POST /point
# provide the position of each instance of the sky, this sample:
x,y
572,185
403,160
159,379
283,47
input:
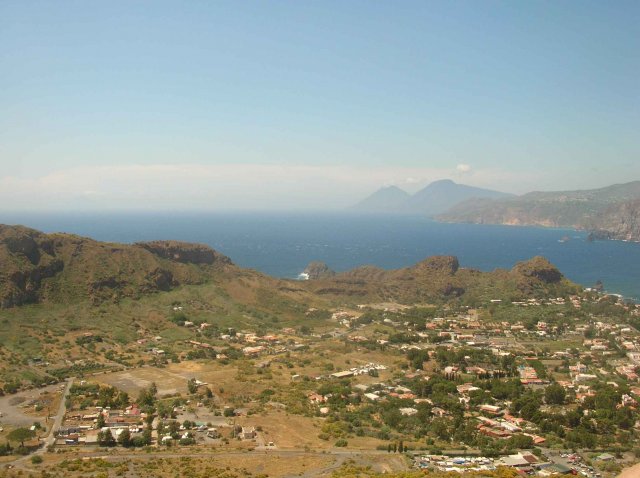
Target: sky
x,y
310,104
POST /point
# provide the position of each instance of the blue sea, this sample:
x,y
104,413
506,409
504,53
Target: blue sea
x,y
282,244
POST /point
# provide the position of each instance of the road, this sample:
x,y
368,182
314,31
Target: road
x,y
51,436
59,417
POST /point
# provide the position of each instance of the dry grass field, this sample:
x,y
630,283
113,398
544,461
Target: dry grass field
x,y
134,380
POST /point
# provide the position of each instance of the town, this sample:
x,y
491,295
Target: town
x,y
539,386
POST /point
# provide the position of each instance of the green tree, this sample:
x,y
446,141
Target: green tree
x,y
124,439
554,394
20,435
146,436
100,423
105,438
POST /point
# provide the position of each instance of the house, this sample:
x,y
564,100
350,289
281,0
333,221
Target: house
x,y
466,388
344,374
490,409
494,433
515,461
408,411
605,457
248,433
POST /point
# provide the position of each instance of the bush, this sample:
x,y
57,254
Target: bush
x,y
36,459
341,443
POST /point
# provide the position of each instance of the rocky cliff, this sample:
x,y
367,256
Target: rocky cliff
x,y
185,252
610,212
38,267
318,270
620,222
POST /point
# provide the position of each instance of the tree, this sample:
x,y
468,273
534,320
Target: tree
x,y
520,441
192,386
105,438
100,423
554,394
20,435
147,396
146,436
124,439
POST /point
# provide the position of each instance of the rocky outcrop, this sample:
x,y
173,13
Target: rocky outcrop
x,y
318,270
619,222
441,278
540,269
185,252
438,265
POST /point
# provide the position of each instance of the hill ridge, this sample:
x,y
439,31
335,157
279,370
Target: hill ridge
x,y
61,268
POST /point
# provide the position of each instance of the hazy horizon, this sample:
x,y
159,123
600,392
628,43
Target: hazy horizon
x,y
310,106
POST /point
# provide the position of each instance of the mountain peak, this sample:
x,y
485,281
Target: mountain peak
x,y
443,182
436,198
388,199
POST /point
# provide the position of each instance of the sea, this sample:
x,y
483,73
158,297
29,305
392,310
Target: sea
x,y
282,244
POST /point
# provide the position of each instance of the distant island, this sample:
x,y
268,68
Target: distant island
x,y
436,198
611,212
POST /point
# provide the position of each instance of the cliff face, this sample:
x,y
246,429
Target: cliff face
x,y
621,222
610,212
38,267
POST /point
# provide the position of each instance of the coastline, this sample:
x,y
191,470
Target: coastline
x,y
282,245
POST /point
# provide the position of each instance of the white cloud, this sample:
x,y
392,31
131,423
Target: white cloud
x,y
463,168
224,186
196,186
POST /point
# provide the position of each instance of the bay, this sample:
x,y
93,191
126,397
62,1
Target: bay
x,y
282,244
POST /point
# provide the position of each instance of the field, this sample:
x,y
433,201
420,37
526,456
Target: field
x,y
25,408
134,380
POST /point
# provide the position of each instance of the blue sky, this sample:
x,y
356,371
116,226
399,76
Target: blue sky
x,y
311,104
